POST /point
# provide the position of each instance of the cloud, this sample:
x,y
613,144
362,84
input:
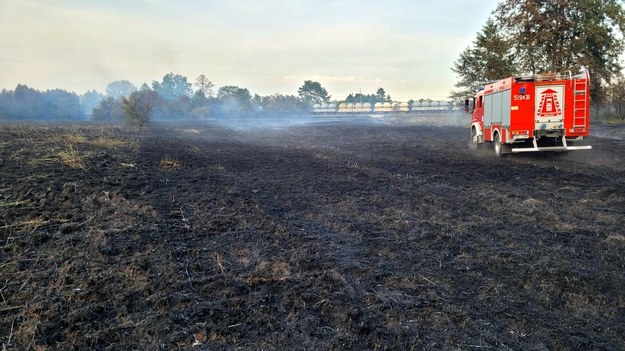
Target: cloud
x,y
331,79
267,47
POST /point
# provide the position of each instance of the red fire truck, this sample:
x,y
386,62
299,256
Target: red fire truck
x,y
538,112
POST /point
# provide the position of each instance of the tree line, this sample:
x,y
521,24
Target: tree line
x,y
174,97
171,98
534,36
30,104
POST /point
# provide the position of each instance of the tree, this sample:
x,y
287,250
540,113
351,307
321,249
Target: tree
x,y
241,95
380,95
109,110
204,85
489,58
173,86
120,88
90,100
138,107
59,104
313,93
6,104
199,99
616,95
562,35
234,100
281,104
26,102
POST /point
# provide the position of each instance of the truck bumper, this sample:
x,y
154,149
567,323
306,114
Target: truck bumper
x,y
562,148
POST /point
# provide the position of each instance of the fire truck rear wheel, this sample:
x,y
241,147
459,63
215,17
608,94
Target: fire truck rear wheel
x,y
497,144
500,148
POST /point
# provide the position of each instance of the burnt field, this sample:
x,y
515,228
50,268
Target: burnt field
x,y
321,236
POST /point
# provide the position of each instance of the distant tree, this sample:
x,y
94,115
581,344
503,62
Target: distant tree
x,y
145,87
26,102
120,89
380,95
281,104
234,100
490,57
199,99
109,110
241,95
6,102
257,99
204,85
561,35
90,100
182,105
138,107
359,98
29,103
60,104
616,96
173,86
312,92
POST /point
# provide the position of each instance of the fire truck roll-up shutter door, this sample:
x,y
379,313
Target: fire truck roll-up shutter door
x,y
488,110
505,108
497,107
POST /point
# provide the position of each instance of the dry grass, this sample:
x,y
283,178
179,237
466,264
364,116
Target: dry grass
x,y
71,139
616,238
265,271
79,139
6,202
36,161
63,148
71,158
28,225
112,142
170,163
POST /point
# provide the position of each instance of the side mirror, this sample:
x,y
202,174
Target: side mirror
x,y
466,106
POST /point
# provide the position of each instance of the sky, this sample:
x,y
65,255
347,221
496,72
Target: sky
x,y
404,46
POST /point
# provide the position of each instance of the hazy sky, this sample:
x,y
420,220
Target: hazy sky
x,y
271,46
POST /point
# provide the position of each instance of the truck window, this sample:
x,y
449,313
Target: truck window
x,y
479,103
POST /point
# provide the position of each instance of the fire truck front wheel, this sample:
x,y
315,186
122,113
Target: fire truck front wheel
x,y
474,138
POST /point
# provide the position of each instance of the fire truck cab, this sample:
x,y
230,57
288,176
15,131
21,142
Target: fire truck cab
x,y
538,112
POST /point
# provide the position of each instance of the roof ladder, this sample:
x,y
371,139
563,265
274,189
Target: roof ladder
x,y
580,103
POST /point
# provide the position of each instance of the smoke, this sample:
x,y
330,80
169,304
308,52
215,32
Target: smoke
x,y
450,119
608,131
265,122
260,121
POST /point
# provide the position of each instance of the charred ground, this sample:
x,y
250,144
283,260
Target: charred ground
x,y
325,236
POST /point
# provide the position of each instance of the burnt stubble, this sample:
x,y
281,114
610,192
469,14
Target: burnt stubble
x,y
321,236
